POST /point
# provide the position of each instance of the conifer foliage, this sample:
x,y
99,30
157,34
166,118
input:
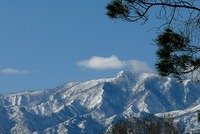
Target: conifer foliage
x,y
147,125
178,52
176,56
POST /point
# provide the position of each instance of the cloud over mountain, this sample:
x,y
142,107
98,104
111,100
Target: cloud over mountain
x,y
102,63
138,66
113,62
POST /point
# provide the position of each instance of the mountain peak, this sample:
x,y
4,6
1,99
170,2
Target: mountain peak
x,y
125,73
73,107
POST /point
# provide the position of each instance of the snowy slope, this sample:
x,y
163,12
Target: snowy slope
x,y
90,107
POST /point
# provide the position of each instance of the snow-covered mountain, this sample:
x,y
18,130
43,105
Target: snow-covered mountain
x,y
90,107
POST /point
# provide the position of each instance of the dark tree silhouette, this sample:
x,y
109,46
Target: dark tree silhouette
x,y
148,125
178,45
176,56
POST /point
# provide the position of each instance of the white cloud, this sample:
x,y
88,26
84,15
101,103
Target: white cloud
x,y
15,71
138,66
102,63
113,62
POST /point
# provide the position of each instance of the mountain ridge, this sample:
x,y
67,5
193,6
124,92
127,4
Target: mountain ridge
x,y
91,106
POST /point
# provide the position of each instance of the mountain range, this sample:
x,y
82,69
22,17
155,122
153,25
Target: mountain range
x,y
91,107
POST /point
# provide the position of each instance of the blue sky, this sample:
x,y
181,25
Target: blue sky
x,y
46,43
